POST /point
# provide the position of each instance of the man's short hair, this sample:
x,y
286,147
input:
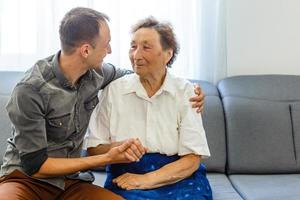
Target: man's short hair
x,y
80,25
165,31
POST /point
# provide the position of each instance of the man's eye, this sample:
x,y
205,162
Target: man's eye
x,y
132,47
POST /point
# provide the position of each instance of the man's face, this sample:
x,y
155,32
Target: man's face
x,y
102,46
146,53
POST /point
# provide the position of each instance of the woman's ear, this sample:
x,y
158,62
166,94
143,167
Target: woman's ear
x,y
169,54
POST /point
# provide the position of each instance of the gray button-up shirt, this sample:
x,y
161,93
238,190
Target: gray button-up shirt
x,y
50,116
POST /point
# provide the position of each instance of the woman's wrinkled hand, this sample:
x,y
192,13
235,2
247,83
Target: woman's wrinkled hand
x,y
129,181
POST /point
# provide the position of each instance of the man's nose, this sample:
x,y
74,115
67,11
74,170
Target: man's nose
x,y
109,49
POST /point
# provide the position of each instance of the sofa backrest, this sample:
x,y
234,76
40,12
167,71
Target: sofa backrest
x,y
262,115
214,125
8,81
213,120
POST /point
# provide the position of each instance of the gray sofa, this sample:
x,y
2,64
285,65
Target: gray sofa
x,y
253,129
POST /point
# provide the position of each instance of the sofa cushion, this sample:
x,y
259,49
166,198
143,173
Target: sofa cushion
x,y
222,188
214,125
295,110
8,81
100,178
267,187
5,125
259,136
268,87
220,184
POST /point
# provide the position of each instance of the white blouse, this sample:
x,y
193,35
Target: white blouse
x,y
166,123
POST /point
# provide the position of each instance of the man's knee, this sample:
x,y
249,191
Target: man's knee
x,y
90,191
15,190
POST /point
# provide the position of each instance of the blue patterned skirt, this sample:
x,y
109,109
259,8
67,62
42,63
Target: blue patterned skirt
x,y
195,187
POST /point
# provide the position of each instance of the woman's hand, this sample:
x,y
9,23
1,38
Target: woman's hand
x,y
166,175
198,101
130,181
127,151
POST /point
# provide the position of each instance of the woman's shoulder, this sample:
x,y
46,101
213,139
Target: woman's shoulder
x,y
182,85
120,84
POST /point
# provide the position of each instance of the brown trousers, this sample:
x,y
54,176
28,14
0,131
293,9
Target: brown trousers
x,y
17,186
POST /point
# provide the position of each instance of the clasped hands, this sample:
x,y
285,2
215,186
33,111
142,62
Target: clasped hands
x,y
127,151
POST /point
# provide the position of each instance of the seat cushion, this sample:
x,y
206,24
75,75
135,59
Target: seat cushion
x,y
222,188
220,184
100,178
267,187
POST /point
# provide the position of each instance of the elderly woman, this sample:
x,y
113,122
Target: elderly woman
x,y
152,105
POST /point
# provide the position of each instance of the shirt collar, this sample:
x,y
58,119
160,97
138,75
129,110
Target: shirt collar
x,y
64,82
135,86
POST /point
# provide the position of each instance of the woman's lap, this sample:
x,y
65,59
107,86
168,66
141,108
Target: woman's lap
x,y
193,187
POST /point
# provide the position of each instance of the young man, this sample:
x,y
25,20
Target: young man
x,y
50,110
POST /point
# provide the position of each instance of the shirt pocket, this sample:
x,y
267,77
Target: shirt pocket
x,y
59,128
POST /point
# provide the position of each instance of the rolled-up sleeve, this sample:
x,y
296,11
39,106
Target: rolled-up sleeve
x,y
192,138
26,112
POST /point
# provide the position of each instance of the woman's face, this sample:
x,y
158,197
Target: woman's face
x,y
146,54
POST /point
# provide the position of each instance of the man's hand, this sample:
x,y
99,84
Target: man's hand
x,y
128,151
198,101
129,181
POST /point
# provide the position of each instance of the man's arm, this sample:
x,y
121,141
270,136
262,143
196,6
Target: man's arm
x,y
53,167
26,112
109,72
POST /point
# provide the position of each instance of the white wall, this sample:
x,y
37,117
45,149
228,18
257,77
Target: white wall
x,y
263,37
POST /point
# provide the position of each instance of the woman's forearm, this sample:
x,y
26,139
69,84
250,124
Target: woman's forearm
x,y
102,148
175,171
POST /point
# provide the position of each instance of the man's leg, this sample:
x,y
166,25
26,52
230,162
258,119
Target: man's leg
x,y
79,190
17,186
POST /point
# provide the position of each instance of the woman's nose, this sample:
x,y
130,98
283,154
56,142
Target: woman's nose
x,y
137,53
